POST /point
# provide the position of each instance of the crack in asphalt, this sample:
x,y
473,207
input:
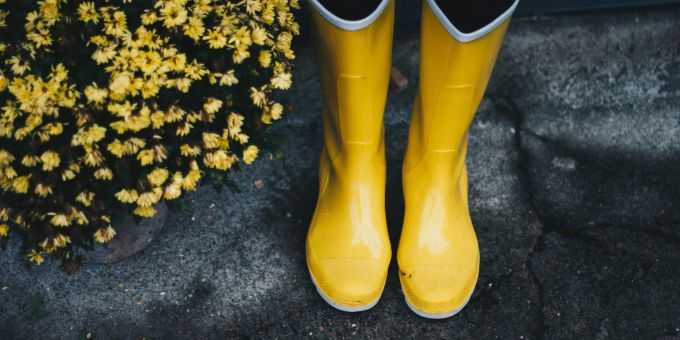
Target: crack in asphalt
x,y
506,104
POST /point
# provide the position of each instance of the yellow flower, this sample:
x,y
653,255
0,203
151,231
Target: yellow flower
x,y
53,129
5,157
148,199
219,160
215,39
149,17
145,211
283,41
228,79
30,161
20,184
3,80
60,220
242,138
258,97
282,80
103,235
4,229
61,240
133,145
95,94
265,58
87,12
191,179
176,62
10,173
85,197
276,111
78,216
268,15
36,257
253,6
173,14
240,54
194,29
241,37
182,84
259,36
250,154
172,191
266,118
120,83
158,176
103,55
70,173
211,140
48,246
117,26
103,174
127,195
195,70
157,119
50,160
18,66
116,148
146,157
160,153
190,151
89,136
212,105
234,123
43,190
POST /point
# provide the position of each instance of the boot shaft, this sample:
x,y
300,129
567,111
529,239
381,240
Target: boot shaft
x,y
354,59
453,77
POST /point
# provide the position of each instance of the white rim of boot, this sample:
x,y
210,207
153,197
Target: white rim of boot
x,y
341,307
349,25
467,37
437,315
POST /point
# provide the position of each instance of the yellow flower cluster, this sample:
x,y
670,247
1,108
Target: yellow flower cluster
x,y
110,107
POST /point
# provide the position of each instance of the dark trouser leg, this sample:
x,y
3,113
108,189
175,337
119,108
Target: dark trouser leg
x,y
351,9
469,16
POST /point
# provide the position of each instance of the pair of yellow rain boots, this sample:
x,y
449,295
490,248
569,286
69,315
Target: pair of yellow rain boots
x,y
348,248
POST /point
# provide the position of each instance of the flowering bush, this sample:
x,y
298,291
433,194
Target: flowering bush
x,y
110,107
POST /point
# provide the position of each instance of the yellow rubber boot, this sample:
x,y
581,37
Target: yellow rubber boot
x,y
438,255
348,248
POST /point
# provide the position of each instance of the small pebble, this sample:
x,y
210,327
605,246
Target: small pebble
x,y
398,82
259,184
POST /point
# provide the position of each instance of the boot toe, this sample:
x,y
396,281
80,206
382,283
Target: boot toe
x,y
349,284
437,291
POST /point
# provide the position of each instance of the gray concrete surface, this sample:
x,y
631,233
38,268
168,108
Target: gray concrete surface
x,y
574,161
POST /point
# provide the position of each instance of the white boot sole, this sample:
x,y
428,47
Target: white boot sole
x,y
437,315
338,306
